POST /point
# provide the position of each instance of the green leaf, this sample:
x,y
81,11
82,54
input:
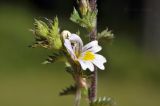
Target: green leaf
x,y
68,91
75,17
54,31
59,56
40,42
103,101
87,74
106,34
47,35
41,28
88,21
54,38
70,70
84,91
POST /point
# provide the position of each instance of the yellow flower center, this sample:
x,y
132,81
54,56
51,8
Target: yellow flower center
x,y
88,56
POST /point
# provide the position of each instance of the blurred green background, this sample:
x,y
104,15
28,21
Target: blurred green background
x,y
132,75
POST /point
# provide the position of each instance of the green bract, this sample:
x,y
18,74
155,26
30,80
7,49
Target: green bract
x,y
87,21
47,36
54,35
41,28
84,6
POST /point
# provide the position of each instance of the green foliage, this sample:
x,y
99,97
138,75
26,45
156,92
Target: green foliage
x,y
57,56
84,92
40,42
87,74
88,21
103,101
54,31
69,69
78,32
105,34
55,35
47,36
69,90
41,28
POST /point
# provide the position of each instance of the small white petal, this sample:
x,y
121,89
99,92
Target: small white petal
x,y
90,66
77,43
83,65
95,49
65,34
86,64
75,38
99,61
100,57
90,45
68,46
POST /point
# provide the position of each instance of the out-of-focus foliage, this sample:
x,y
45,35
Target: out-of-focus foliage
x,y
103,101
105,35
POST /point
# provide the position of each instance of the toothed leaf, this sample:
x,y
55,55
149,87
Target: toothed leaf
x,y
55,35
87,21
47,35
75,16
41,28
87,74
69,70
55,57
54,31
68,91
40,42
103,101
106,34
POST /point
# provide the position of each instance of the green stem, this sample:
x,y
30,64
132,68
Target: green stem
x,y
78,97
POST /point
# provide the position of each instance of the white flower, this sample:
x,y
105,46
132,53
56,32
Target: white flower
x,y
85,55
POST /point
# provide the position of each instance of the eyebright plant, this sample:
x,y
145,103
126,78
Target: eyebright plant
x,y
82,61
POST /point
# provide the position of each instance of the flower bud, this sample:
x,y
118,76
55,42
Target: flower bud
x,y
65,34
84,7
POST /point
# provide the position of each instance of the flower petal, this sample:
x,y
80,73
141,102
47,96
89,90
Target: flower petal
x,y
77,43
83,65
99,61
65,34
68,46
92,46
95,49
86,64
90,66
75,38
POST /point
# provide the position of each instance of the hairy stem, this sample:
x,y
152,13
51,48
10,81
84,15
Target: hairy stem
x,y
77,78
93,88
93,36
